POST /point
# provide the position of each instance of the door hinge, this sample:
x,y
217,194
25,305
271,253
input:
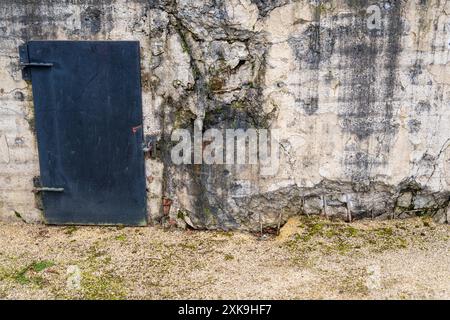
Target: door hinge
x,y
25,64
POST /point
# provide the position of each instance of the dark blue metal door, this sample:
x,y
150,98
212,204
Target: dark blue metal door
x,y
88,113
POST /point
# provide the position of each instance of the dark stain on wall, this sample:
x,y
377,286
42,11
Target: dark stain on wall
x,y
358,95
91,20
415,71
366,70
368,110
414,125
265,6
312,50
368,74
422,106
314,46
358,4
310,106
44,20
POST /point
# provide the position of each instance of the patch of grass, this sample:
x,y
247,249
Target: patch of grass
x,y
343,247
237,105
228,234
3,273
94,251
104,286
319,234
70,230
42,265
228,257
303,261
21,277
351,232
121,237
384,232
30,273
97,281
180,214
427,221
354,285
189,246
402,243
312,228
3,293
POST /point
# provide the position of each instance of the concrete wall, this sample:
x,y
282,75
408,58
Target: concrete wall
x,y
364,114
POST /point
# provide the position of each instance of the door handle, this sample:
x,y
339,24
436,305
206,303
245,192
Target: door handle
x,y
35,64
47,189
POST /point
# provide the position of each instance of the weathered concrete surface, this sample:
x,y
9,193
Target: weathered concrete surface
x,y
364,114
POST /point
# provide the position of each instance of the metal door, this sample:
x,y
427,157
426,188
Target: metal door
x,y
88,113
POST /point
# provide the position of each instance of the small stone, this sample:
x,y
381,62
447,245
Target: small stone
x,y
313,205
423,201
441,216
404,200
73,278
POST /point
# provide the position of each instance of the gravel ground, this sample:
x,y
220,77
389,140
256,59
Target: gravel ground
x,y
310,259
